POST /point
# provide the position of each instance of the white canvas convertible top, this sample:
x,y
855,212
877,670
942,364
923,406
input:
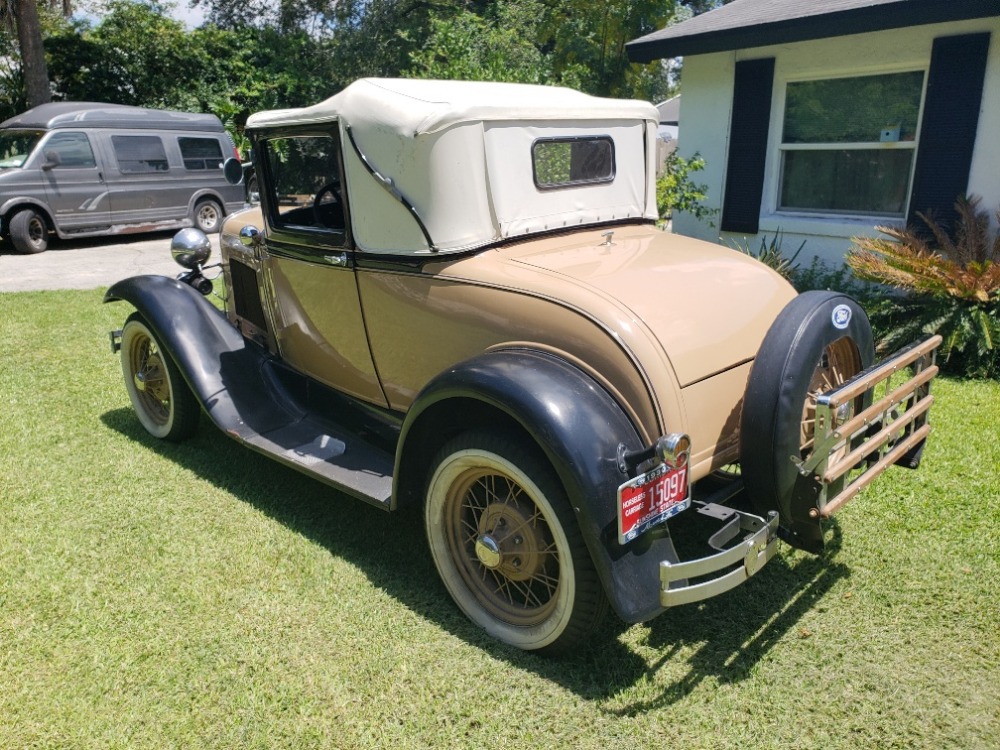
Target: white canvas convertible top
x,y
416,106
460,152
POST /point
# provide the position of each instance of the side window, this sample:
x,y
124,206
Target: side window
x,y
200,153
138,154
70,151
568,162
304,188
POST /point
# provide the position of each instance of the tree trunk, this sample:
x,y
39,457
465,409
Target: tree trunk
x,y
29,37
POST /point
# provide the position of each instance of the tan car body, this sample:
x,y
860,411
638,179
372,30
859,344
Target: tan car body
x,y
454,296
650,316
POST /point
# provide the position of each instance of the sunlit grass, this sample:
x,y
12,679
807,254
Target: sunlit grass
x,y
198,595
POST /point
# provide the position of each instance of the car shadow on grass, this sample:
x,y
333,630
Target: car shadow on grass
x,y
720,639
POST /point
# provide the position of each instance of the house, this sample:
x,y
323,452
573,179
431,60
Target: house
x,y
670,112
666,134
823,119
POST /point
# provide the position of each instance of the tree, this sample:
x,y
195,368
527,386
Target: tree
x,y
495,46
29,36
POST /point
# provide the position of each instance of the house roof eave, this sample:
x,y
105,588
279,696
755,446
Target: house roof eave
x,y
676,41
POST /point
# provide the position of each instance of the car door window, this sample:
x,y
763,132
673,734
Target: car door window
x,y
70,151
305,190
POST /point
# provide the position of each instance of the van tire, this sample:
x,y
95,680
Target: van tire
x,y
207,216
29,233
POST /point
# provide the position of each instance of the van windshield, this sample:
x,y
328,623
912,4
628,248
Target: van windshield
x,y
16,146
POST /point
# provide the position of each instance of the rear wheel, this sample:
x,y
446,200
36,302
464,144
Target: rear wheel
x,y
507,547
28,231
208,216
164,403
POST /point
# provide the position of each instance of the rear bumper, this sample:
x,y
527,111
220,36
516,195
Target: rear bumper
x,y
738,562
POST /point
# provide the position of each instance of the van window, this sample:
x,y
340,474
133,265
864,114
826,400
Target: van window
x,y
139,153
200,153
16,145
72,150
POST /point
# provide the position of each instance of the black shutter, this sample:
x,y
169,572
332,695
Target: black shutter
x,y
748,145
948,130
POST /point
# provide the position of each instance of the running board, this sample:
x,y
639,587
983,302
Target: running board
x,y
252,397
334,457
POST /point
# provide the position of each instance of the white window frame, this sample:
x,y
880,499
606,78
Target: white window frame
x,y
829,219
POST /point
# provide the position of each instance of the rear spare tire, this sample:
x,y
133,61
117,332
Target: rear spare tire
x,y
819,341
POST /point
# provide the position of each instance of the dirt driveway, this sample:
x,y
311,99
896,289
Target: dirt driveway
x,y
90,263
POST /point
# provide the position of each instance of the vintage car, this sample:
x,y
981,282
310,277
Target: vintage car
x,y
453,296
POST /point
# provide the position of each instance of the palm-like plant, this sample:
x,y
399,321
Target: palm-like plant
x,y
951,285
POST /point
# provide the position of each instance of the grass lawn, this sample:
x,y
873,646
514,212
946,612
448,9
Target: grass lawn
x,y
198,595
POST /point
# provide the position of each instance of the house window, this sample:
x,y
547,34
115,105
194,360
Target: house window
x,y
848,144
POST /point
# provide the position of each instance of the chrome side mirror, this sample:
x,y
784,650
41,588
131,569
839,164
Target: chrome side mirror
x,y
250,236
190,247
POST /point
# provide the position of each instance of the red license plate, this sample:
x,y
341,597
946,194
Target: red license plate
x,y
651,498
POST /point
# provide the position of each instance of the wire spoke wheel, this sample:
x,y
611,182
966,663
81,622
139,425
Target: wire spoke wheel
x,y
839,363
507,547
507,552
164,404
150,378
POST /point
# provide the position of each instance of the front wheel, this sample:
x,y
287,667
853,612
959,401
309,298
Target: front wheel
x,y
164,403
208,216
507,547
28,232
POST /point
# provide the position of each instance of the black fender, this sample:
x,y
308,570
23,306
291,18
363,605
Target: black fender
x,y
772,406
225,373
578,426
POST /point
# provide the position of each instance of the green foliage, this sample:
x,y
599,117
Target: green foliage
x,y
677,191
950,285
495,46
770,253
199,595
839,278
588,40
137,55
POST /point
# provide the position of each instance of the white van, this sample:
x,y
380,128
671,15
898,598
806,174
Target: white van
x,y
81,169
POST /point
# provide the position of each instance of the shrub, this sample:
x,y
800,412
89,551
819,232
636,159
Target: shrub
x,y
950,285
820,275
770,254
677,191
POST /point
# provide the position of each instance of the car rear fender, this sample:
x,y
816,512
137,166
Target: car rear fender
x,y
579,428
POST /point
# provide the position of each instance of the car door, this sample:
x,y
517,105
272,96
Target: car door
x,y
309,264
142,183
75,185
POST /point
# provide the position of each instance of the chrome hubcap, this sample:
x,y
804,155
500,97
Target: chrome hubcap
x,y
488,551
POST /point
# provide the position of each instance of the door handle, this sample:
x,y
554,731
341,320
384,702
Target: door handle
x,y
340,259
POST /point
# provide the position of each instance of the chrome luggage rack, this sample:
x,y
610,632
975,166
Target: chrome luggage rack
x,y
855,443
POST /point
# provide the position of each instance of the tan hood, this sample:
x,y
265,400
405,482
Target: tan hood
x,y
708,306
